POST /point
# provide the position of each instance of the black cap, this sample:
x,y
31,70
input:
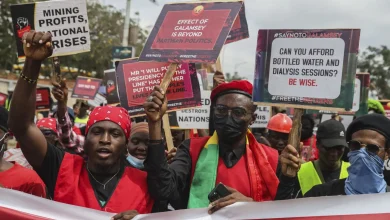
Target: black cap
x,y
331,133
374,122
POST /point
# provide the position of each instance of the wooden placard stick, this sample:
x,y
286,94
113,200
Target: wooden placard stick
x,y
164,86
56,76
294,137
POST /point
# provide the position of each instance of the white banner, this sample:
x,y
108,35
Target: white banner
x,y
17,205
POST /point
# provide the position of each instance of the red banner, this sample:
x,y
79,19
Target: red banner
x,y
43,99
86,88
192,32
136,80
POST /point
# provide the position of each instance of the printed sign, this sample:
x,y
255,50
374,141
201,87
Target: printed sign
x,y
67,21
86,88
99,100
121,53
42,99
191,32
239,30
136,80
306,68
198,118
111,87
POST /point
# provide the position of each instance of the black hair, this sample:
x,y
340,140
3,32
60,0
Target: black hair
x,y
309,118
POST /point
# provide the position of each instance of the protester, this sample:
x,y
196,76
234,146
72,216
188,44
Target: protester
x,y
48,127
178,137
82,116
201,163
331,144
138,145
368,138
309,151
13,175
279,127
71,141
103,182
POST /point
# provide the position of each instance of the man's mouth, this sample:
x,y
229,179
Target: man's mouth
x,y
103,153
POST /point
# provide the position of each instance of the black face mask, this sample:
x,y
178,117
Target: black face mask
x,y
229,129
306,134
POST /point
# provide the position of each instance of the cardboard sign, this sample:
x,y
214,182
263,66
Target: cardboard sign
x,y
111,87
239,30
198,118
191,32
67,21
136,80
86,88
311,69
42,99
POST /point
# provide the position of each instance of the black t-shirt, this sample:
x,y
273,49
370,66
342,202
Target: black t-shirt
x,y
332,188
331,175
51,166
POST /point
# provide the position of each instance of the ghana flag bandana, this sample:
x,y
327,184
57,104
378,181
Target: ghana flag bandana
x,y
263,180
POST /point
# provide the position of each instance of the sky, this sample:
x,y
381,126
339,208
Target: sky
x,y
371,16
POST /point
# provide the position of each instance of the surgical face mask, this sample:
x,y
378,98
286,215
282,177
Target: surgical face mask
x,y
135,162
229,129
365,175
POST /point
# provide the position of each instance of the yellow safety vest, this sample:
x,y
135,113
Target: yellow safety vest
x,y
81,120
308,176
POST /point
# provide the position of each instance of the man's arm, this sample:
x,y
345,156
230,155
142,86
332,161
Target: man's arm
x,y
37,47
288,188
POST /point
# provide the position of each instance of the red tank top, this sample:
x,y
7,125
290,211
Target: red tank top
x,y
73,187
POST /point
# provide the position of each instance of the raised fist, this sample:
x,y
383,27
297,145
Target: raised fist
x,y
37,45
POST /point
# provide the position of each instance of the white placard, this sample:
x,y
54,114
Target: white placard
x,y
356,95
67,21
306,67
198,118
263,115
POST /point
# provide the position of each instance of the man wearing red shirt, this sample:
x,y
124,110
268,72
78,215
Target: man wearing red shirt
x,y
14,176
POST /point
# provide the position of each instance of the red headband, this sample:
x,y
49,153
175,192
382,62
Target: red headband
x,y
48,123
117,115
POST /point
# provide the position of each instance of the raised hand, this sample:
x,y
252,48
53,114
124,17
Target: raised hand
x,y
37,45
60,91
155,105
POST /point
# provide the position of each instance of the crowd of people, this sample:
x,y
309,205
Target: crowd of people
x,y
104,161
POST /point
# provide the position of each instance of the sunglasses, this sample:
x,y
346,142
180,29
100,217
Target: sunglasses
x,y
371,148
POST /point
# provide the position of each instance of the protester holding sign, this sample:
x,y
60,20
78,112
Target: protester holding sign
x,y
368,139
309,151
331,144
201,163
13,175
104,182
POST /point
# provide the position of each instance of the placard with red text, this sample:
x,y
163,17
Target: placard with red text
x,y
136,80
193,32
310,69
86,88
42,99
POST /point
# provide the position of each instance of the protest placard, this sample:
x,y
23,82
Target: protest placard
x,y
239,29
136,80
67,21
42,99
313,69
191,32
198,118
111,87
86,88
99,100
121,53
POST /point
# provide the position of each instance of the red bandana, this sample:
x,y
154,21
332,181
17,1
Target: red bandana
x,y
48,123
117,115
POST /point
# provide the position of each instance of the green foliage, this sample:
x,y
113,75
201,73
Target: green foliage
x,y
230,78
376,61
376,106
106,30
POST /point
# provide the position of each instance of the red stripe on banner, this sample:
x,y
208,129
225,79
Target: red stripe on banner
x,y
384,216
6,213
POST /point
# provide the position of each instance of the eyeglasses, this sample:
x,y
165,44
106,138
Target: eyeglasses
x,y
372,148
222,111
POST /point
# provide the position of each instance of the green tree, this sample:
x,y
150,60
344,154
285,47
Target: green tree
x,y
376,61
106,29
230,78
